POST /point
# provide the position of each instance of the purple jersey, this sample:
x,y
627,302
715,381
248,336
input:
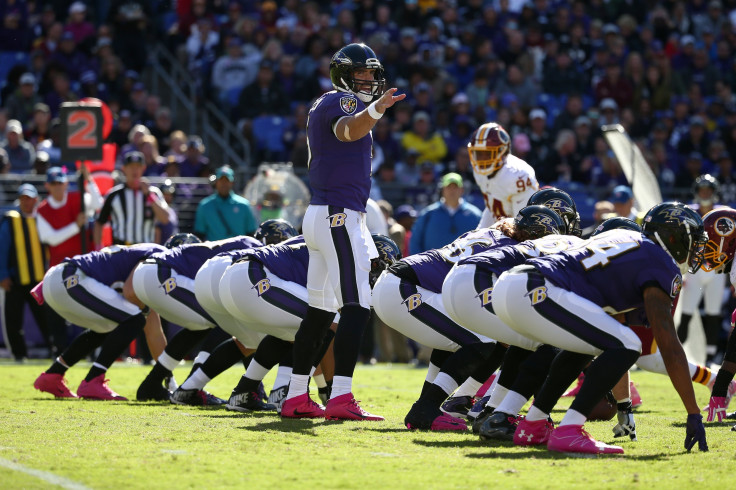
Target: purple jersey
x,y
114,264
612,270
432,266
187,259
288,260
499,260
339,172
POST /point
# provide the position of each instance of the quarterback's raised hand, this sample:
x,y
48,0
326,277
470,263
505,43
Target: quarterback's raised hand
x,y
695,432
388,99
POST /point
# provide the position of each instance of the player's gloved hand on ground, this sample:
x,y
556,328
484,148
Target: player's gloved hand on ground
x,y
716,409
695,432
626,425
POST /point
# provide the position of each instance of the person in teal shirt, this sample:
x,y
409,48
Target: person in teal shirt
x,y
224,214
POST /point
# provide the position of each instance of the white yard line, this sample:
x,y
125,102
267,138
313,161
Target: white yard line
x,y
43,475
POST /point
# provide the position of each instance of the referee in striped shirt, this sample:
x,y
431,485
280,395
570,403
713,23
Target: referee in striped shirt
x,y
133,207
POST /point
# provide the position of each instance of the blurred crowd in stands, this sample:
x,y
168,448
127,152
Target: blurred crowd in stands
x,y
550,71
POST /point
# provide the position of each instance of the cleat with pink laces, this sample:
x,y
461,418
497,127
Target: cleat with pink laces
x,y
574,439
446,423
302,407
97,389
54,384
635,397
574,391
533,433
345,407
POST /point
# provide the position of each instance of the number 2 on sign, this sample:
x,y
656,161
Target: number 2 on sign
x,y
522,185
82,126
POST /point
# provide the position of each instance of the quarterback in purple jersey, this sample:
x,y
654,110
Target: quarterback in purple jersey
x,y
84,290
568,299
407,298
340,248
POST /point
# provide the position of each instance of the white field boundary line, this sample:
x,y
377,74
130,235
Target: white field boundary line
x,y
43,475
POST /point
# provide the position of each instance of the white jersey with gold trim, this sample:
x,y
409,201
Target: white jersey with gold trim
x,y
506,192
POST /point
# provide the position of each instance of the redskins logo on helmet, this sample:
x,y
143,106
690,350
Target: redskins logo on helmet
x,y
720,225
488,148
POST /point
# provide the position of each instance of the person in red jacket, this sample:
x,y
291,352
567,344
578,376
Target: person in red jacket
x,y
60,221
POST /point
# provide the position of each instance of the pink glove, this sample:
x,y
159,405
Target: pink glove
x,y
733,318
716,408
37,293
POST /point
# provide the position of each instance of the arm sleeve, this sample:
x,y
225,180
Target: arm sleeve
x,y
51,236
4,249
104,216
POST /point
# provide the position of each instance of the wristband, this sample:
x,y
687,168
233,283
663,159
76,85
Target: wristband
x,y
373,112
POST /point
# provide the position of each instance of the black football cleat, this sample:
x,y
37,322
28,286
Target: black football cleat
x,y
152,392
425,416
249,402
457,406
481,418
499,426
195,398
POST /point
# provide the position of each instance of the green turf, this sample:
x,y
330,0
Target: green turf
x,y
140,445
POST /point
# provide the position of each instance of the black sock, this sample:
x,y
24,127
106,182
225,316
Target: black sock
x,y
214,338
563,371
326,341
222,358
157,374
271,350
183,342
472,358
309,337
435,395
682,328
712,329
115,344
533,371
436,358
85,343
602,375
510,366
246,359
349,335
246,385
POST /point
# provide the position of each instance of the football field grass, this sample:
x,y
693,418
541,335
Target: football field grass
x,y
47,443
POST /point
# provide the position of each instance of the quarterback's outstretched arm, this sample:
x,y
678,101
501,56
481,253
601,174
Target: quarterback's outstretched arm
x,y
352,128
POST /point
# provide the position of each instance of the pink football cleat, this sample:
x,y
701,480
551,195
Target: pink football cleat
x,y
574,439
574,391
635,397
485,386
533,433
97,389
54,384
444,423
345,407
302,407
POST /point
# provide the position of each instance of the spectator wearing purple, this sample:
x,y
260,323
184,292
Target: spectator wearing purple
x,y
20,153
77,23
696,139
195,164
422,100
700,72
61,93
382,24
539,138
690,171
130,19
462,70
15,34
90,87
21,103
68,56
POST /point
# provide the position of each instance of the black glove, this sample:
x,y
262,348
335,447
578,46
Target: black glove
x,y
695,432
